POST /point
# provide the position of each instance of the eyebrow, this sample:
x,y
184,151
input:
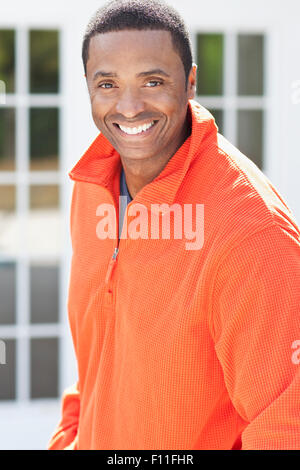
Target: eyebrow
x,y
102,74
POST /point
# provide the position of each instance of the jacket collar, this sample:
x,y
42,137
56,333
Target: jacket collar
x,y
101,163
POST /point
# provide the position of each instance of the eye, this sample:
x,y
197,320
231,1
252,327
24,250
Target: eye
x,y
153,83
105,85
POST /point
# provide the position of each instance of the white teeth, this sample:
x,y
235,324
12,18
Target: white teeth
x,y
136,130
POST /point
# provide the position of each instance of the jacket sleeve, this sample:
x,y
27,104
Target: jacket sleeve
x,y
65,435
256,327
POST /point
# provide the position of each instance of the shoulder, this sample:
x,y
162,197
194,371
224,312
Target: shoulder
x,y
246,199
239,200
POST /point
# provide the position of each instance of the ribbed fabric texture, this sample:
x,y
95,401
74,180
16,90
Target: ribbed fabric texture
x,y
177,348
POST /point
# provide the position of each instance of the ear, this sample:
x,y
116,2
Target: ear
x,y
192,82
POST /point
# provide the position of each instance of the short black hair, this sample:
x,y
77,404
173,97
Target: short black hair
x,y
119,15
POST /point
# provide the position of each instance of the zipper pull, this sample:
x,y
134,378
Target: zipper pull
x,y
111,265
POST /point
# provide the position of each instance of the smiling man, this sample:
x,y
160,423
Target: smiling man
x,y
176,348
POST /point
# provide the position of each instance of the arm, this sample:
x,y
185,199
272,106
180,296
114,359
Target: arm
x,y
65,435
255,322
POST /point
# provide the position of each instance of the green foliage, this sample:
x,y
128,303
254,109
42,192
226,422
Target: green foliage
x,y
7,59
43,132
210,64
44,61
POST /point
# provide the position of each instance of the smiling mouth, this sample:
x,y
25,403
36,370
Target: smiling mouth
x,y
139,130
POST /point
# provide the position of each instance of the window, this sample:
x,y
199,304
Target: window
x,y
7,139
44,61
7,59
44,291
44,125
7,293
231,86
30,187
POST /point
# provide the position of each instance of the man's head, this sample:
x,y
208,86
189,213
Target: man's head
x,y
138,84
119,15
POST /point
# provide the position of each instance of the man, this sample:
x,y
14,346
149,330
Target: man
x,y
184,340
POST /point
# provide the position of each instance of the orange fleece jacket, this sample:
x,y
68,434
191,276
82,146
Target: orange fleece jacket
x,y
180,348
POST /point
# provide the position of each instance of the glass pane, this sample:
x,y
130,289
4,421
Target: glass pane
x,y
8,370
44,287
44,367
7,59
250,64
7,293
210,64
7,139
44,139
8,220
218,115
250,135
43,61
44,196
44,230
7,200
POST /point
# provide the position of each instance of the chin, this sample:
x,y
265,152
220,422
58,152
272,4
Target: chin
x,y
135,156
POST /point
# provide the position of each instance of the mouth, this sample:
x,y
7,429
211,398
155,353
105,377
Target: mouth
x,y
138,131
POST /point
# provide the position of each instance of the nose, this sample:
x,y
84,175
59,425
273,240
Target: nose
x,y
130,103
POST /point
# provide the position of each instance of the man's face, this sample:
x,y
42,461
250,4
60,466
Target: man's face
x,y
137,87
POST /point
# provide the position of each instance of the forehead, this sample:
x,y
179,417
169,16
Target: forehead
x,y
133,49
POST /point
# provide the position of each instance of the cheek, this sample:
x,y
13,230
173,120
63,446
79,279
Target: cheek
x,y
174,103
101,104
177,112
96,118
98,109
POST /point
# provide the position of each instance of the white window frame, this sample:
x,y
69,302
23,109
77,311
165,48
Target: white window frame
x,y
230,102
22,331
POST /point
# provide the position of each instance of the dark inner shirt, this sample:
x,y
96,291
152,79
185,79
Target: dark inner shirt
x,y
124,193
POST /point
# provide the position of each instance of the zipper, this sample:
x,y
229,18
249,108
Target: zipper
x,y
113,260
108,295
111,266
